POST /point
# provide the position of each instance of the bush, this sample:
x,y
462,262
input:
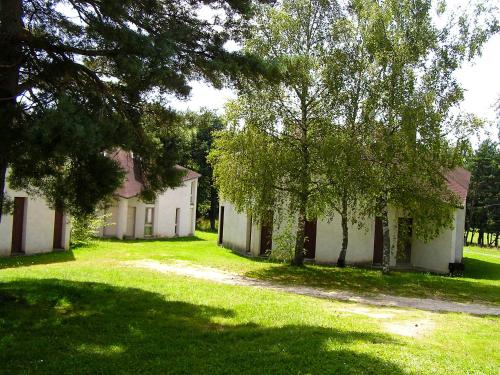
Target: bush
x,y
283,245
203,224
84,228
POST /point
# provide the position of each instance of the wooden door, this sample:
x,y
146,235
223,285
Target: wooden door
x,y
58,230
266,233
310,243
18,225
266,238
378,242
221,226
130,232
177,221
405,232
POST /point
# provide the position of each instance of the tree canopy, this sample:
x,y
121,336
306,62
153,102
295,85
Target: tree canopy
x,y
366,115
201,129
483,203
76,77
271,158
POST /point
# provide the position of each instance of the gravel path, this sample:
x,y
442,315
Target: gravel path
x,y
223,277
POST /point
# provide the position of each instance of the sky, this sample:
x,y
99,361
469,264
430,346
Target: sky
x,y
480,78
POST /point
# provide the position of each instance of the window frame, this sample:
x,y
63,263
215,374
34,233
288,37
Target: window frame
x,y
149,223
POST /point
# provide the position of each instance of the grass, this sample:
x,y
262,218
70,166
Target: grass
x,y
82,312
481,282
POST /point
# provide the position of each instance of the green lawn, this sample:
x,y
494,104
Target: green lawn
x,y
84,311
481,282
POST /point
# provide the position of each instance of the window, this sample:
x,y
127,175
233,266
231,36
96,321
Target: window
x,y
177,219
148,221
193,190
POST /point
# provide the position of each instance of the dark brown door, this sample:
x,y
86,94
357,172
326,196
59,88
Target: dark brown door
x,y
378,243
310,243
58,230
405,232
221,226
18,225
266,234
266,238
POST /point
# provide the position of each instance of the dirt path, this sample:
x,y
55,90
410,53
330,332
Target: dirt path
x,y
223,277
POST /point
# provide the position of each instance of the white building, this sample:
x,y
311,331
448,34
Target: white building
x,y
238,232
171,214
33,227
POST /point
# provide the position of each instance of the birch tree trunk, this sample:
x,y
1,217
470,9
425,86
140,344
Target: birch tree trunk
x,y
386,255
298,259
345,234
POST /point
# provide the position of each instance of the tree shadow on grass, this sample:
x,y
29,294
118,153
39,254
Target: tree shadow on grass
x,y
366,281
34,259
481,269
54,326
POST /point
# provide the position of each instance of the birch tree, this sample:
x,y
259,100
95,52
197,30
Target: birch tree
x,y
270,158
417,130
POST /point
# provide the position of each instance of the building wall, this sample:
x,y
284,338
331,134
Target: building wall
x,y
460,229
167,204
109,229
38,236
434,255
329,241
164,206
235,229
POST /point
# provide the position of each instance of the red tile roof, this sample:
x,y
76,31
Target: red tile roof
x,y
458,182
190,174
134,183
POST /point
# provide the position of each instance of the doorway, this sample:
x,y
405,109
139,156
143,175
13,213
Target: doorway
x,y
177,221
58,229
266,234
130,232
18,224
405,233
221,226
310,242
378,242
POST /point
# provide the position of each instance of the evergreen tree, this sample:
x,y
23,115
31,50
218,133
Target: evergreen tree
x,y
74,77
202,127
483,202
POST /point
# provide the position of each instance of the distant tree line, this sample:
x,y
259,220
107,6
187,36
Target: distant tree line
x,y
483,202
199,129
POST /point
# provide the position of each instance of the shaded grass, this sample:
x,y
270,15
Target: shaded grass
x,y
98,328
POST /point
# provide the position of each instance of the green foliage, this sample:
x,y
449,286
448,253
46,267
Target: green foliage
x,y
84,228
201,128
77,78
483,203
270,157
283,244
363,117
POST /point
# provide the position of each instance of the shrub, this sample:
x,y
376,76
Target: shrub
x,y
84,228
283,244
